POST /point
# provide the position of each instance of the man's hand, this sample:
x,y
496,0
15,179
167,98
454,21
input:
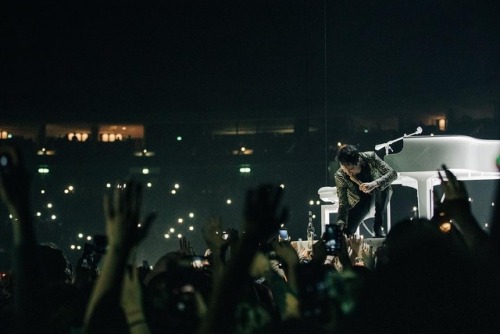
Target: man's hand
x,y
122,211
368,187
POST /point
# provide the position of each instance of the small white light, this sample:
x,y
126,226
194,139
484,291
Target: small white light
x,y
318,202
80,235
49,205
486,225
176,186
144,151
10,216
245,170
139,225
38,214
108,185
191,228
314,216
229,201
72,246
71,188
78,247
180,220
414,208
243,149
173,192
339,144
179,235
470,199
311,202
89,237
42,191
172,230
149,184
191,215
66,191
53,217
145,171
166,235
282,186
179,138
492,203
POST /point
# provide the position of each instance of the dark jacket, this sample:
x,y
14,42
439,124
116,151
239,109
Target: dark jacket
x,y
348,191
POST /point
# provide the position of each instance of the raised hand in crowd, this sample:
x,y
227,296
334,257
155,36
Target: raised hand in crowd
x,y
124,231
263,216
456,206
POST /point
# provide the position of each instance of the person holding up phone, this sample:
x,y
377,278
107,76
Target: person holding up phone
x,y
363,180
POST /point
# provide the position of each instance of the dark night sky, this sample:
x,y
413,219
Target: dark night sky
x,y
160,60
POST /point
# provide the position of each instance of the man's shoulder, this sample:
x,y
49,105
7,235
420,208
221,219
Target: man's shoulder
x,y
368,154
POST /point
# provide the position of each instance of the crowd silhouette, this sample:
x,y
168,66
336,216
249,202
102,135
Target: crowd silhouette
x,y
429,275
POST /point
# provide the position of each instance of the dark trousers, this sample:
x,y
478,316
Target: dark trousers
x,y
360,211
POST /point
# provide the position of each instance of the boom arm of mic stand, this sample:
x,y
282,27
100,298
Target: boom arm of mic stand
x,y
387,145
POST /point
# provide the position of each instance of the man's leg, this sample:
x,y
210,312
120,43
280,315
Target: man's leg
x,y
357,214
382,199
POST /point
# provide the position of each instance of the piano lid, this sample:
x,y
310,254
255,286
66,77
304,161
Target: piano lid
x,y
428,153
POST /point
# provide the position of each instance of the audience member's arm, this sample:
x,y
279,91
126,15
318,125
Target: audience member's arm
x,y
122,212
262,220
14,192
457,206
132,303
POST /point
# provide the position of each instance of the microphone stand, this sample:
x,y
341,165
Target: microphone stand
x,y
387,145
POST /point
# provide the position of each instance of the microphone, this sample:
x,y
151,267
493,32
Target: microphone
x,y
379,147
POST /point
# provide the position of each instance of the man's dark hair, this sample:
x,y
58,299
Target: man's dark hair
x,y
348,154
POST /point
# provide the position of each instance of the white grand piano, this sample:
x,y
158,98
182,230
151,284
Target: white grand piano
x,y
466,157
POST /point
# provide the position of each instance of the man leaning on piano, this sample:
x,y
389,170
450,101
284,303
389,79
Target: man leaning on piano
x,y
363,180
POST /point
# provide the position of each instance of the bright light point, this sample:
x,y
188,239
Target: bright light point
x,y
179,138
180,220
166,235
486,225
89,237
43,149
243,149
10,216
282,186
49,205
414,208
191,215
432,135
191,228
339,144
493,204
176,186
229,201
244,170
139,225
311,202
53,217
42,191
365,130
179,235
145,151
149,184
108,185
72,246
145,171
318,202
80,235
78,247
43,170
70,188
38,214
172,230
470,199
66,191
445,227
173,192
313,216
